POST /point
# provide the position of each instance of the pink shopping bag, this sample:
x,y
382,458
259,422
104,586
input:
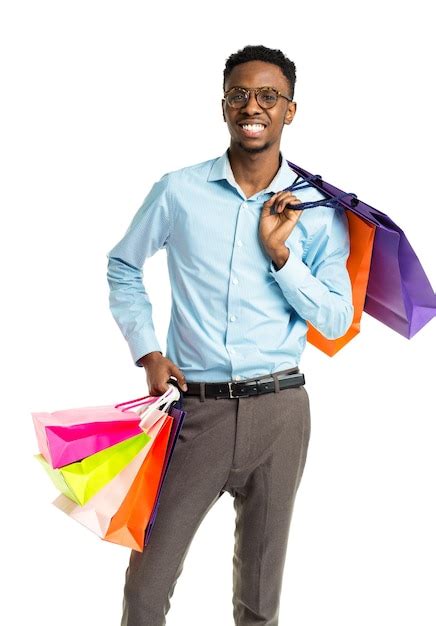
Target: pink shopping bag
x,y
70,435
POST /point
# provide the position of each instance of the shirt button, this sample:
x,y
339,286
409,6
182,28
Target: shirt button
x,y
235,281
239,243
244,205
232,350
237,377
232,318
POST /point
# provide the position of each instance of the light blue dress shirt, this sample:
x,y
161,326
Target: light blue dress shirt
x,y
233,315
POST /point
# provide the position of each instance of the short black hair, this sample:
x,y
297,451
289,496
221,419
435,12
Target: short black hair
x,y
261,53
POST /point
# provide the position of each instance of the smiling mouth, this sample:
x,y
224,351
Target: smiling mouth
x,y
252,130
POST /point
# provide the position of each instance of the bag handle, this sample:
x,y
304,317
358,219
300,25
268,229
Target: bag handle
x,y
152,402
162,404
172,394
314,180
145,400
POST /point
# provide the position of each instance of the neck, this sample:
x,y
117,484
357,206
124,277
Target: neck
x,y
253,171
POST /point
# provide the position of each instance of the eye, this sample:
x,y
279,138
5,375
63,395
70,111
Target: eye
x,y
268,96
237,96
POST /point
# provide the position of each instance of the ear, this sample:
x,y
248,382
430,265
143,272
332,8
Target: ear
x,y
223,103
290,113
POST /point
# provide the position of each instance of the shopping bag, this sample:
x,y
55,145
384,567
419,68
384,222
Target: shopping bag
x,y
82,480
97,513
127,526
358,265
161,418
398,294
178,415
70,435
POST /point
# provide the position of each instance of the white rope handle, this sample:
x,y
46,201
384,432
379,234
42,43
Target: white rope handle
x,y
161,405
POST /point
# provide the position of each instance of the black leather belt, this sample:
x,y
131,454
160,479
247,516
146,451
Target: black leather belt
x,y
242,389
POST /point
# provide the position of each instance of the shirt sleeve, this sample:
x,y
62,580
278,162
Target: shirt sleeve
x,y
129,303
320,288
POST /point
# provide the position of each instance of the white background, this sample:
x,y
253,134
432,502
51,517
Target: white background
x,y
97,104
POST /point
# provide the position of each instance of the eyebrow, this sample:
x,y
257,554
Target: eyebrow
x,y
248,88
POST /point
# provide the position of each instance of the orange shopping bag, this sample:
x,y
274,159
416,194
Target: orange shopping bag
x,y
127,526
358,265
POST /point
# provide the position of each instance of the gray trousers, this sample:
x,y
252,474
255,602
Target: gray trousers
x,y
255,449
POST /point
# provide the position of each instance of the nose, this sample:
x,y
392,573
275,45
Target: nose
x,y
252,104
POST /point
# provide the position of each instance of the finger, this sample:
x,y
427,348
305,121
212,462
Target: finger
x,y
270,200
288,212
158,390
180,378
291,199
284,204
285,198
293,208
282,194
292,214
277,200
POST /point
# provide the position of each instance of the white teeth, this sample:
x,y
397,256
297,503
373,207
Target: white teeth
x,y
254,127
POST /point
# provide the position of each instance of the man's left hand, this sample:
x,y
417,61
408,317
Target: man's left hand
x,y
275,229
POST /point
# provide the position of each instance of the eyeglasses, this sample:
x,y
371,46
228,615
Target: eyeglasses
x,y
266,97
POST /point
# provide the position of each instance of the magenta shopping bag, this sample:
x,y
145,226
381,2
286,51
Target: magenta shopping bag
x,y
70,435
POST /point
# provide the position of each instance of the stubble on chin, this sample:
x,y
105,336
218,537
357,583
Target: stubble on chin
x,y
254,150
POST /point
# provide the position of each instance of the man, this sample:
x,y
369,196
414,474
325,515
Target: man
x,y
247,271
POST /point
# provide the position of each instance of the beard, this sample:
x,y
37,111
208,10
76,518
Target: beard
x,y
265,146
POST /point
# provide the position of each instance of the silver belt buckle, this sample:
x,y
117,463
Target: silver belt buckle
x,y
241,395
230,389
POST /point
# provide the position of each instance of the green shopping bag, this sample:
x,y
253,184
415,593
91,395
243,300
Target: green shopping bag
x,y
80,481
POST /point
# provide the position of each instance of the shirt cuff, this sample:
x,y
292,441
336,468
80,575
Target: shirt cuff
x,y
140,346
291,275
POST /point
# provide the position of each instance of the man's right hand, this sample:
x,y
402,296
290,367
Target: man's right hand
x,y
159,369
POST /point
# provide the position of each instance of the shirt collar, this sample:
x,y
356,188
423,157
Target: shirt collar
x,y
221,170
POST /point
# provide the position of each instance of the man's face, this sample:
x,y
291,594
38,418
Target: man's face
x,y
250,75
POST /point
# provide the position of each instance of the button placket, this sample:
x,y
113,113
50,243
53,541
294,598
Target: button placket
x,y
233,336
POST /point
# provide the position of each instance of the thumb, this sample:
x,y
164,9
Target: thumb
x,y
271,199
267,205
180,377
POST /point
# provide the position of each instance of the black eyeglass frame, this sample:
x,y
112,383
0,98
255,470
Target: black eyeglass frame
x,y
256,91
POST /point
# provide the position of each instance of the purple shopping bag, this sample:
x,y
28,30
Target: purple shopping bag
x,y
399,294
178,415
